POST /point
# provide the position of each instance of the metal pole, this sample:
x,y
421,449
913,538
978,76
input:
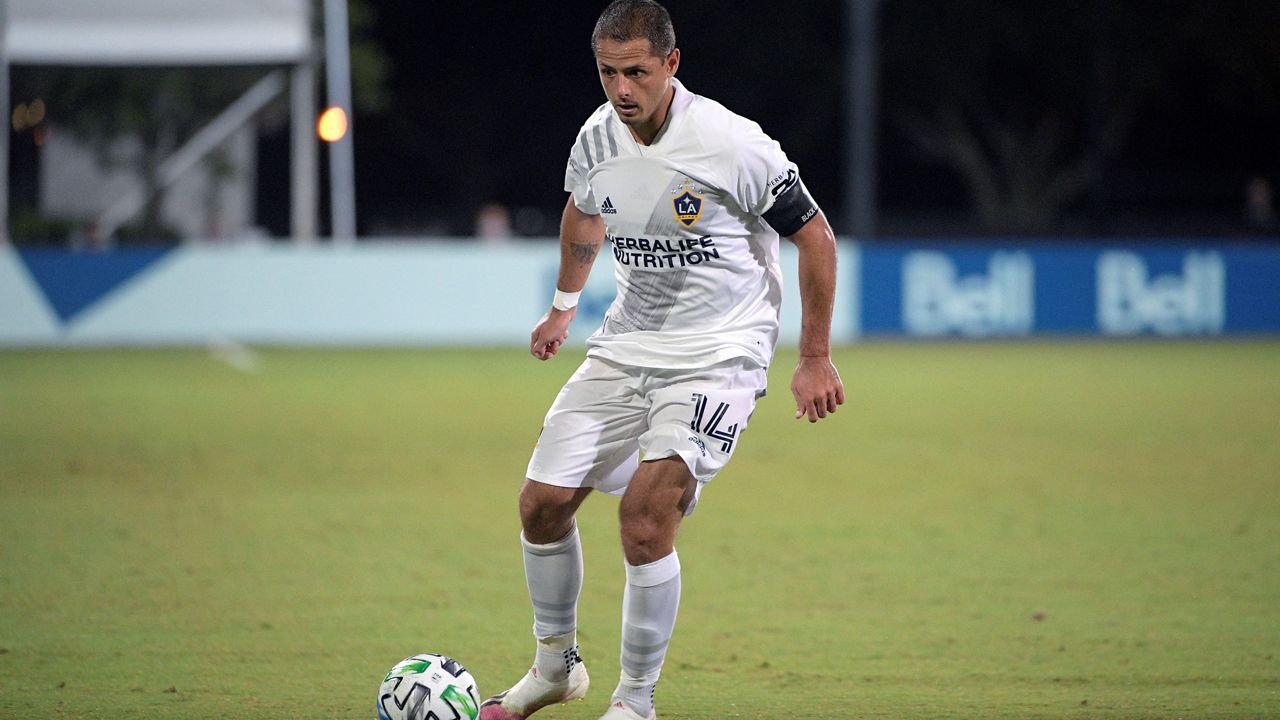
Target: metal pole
x,y
342,183
213,134
303,174
4,118
862,76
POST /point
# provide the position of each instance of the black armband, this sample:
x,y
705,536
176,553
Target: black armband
x,y
793,208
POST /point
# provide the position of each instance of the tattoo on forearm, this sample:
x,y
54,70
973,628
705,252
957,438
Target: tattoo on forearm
x,y
583,252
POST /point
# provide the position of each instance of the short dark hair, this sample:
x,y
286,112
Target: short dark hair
x,y
625,20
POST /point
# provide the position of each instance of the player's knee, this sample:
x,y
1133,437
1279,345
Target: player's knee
x,y
639,541
546,511
645,538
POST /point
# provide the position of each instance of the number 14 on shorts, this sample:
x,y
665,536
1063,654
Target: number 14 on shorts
x,y
710,426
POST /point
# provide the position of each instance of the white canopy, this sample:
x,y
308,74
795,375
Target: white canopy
x,y
157,32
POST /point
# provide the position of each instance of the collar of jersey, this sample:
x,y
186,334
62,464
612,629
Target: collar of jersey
x,y
679,103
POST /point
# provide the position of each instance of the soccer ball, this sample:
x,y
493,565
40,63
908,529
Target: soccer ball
x,y
428,687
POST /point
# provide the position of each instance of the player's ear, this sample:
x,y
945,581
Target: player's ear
x,y
673,61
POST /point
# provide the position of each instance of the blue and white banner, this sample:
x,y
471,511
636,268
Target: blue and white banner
x,y
465,293
371,293
981,291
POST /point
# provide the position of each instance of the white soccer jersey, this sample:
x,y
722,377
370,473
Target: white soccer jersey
x,y
696,265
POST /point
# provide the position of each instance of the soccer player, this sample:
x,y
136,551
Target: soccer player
x,y
692,200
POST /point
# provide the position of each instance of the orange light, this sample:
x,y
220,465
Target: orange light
x,y
35,112
332,125
28,116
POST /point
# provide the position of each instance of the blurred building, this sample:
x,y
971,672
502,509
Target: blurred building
x,y
210,201
207,176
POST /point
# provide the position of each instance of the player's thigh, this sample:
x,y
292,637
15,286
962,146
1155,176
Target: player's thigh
x,y
662,488
591,428
658,497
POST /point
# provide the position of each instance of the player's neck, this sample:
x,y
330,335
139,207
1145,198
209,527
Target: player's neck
x,y
647,134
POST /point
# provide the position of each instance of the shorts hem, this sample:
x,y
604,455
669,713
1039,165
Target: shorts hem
x,y
556,480
689,463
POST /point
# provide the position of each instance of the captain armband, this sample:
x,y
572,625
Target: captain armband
x,y
792,208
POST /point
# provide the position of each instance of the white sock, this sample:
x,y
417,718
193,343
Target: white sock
x,y
648,618
554,575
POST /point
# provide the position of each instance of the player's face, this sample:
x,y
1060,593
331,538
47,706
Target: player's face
x,y
637,82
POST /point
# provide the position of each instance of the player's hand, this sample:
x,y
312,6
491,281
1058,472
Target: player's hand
x,y
550,332
816,387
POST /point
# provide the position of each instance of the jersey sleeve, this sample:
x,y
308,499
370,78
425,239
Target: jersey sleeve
x,y
758,165
767,184
575,180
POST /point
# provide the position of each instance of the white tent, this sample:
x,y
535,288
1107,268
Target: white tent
x,y
158,32
171,33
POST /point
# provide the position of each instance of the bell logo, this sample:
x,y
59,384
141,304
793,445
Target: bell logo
x,y
937,301
1131,302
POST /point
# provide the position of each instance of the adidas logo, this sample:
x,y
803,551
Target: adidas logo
x,y
607,208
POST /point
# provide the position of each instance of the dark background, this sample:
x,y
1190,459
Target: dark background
x,y
1094,118
487,99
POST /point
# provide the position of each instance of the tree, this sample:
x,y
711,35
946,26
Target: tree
x,y
1027,103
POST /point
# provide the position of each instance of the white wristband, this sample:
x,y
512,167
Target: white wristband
x,y
565,300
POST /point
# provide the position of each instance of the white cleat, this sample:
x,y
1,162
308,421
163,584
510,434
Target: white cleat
x,y
533,693
619,711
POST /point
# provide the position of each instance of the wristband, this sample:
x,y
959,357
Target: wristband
x,y
565,300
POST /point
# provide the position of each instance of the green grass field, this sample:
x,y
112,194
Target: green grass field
x,y
1058,530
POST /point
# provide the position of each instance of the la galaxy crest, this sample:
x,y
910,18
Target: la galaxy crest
x,y
687,207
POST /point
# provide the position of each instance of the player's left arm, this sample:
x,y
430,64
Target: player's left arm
x,y
816,384
769,185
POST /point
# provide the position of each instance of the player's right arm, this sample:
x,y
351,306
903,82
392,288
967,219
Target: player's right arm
x,y
581,236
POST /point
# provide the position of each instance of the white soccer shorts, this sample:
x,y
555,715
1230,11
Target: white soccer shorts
x,y
610,417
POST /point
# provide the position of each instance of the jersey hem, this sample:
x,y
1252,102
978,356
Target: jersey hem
x,y
681,362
